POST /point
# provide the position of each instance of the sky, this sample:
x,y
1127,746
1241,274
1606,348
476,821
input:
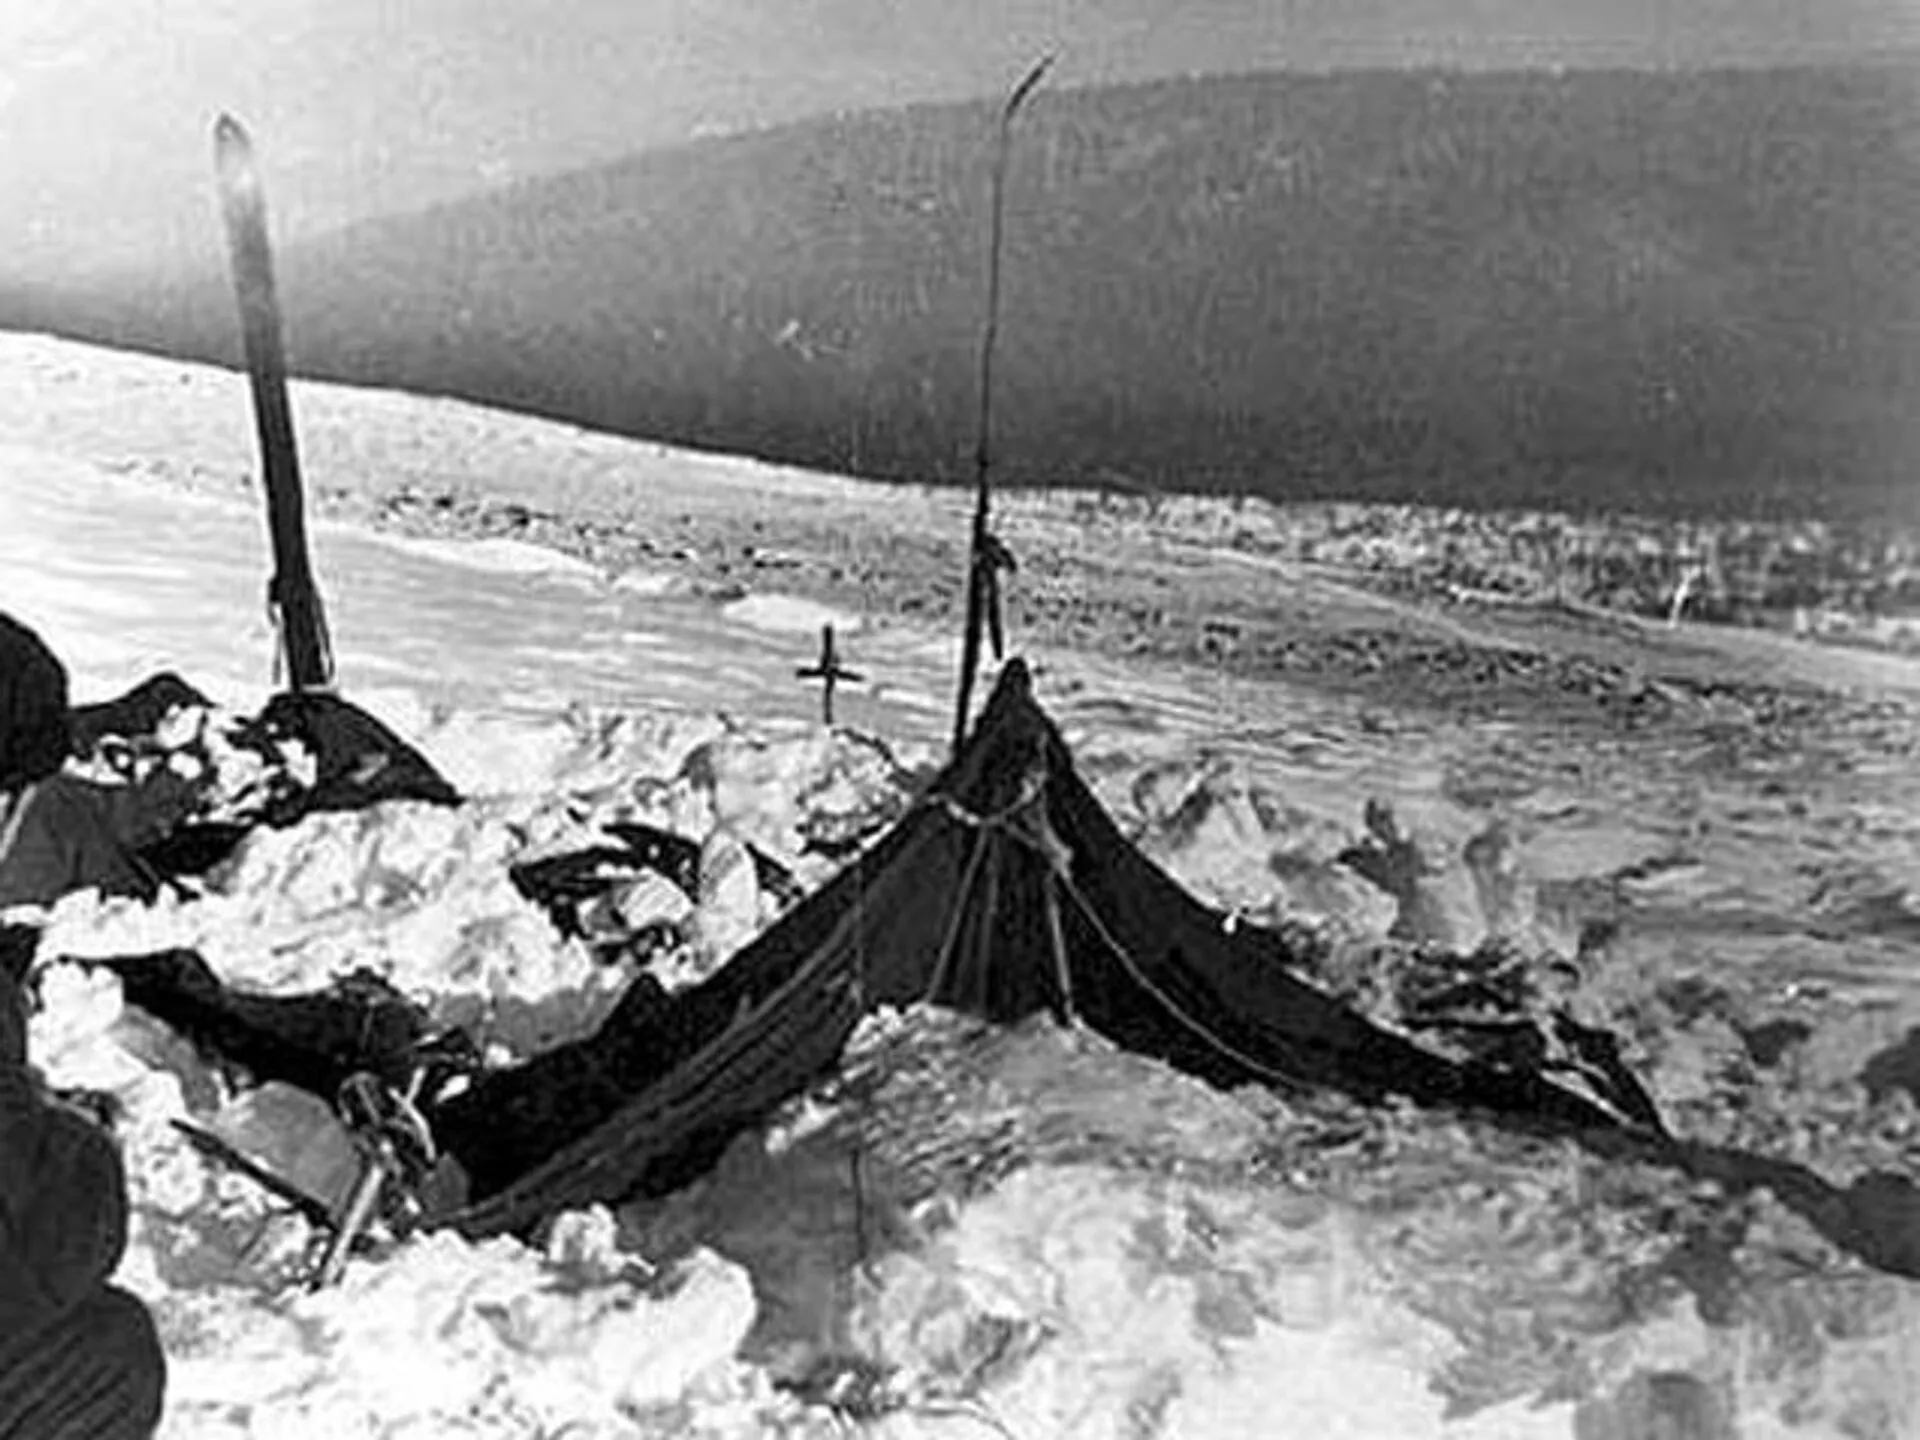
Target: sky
x,y
365,107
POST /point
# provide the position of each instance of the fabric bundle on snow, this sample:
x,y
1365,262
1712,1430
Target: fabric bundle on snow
x,y
359,761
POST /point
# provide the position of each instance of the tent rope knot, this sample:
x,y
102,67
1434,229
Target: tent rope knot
x,y
1004,819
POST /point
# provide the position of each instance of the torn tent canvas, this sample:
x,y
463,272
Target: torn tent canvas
x,y
1006,890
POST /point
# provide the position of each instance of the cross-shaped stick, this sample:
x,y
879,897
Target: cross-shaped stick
x,y
828,671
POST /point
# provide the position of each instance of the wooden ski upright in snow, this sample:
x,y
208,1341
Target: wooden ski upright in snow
x,y
292,595
986,556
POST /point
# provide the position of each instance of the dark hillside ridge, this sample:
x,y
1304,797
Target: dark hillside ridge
x,y
1675,292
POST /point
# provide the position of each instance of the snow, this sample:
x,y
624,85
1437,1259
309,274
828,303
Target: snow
x,y
1214,1315
447,1337
124,578
789,615
1065,1240
494,554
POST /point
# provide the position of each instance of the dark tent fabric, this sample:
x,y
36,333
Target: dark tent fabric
x,y
359,761
312,1041
562,884
1007,890
138,712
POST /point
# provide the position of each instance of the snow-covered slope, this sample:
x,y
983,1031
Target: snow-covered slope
x,y
1050,1238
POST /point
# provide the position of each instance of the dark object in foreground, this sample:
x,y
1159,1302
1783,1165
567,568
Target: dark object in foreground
x,y
79,1358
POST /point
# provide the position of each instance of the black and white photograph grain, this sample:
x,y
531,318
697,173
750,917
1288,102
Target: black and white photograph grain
x,y
959,719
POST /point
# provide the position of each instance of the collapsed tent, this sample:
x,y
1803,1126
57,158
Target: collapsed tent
x,y
1007,890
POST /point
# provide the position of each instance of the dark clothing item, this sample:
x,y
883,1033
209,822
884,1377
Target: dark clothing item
x,y
96,1373
13,1020
63,1206
64,834
35,738
57,833
138,712
78,1358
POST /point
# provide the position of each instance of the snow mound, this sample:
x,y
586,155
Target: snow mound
x,y
1075,1301
497,555
448,1338
789,615
492,754
1053,1237
1049,1236
1253,851
789,792
418,894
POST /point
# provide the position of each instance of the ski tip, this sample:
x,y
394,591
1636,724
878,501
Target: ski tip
x,y
1032,78
229,135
